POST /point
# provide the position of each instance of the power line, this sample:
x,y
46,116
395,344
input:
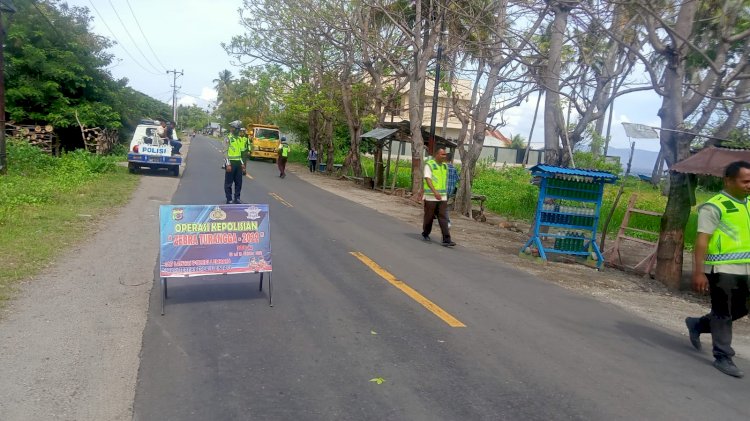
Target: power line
x,y
135,44
54,28
118,41
156,56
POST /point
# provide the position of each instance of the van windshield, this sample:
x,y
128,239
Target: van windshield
x,y
267,133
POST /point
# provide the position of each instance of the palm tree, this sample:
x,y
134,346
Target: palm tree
x,y
517,142
222,83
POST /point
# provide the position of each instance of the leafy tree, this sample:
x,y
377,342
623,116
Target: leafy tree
x,y
55,72
698,63
192,117
517,141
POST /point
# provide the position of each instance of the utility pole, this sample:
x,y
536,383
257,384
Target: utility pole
x,y
6,7
174,92
436,90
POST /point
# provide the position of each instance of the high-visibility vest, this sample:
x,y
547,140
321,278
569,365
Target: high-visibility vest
x,y
237,145
284,150
730,243
439,180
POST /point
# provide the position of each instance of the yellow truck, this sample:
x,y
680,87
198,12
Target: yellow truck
x,y
264,141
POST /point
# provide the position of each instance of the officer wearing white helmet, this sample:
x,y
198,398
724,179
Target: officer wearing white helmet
x,y
283,155
235,162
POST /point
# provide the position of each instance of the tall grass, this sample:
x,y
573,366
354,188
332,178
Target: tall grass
x,y
48,203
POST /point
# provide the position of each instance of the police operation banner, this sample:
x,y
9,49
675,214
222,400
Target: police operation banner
x,y
198,240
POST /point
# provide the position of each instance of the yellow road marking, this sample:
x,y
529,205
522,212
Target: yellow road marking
x,y
280,199
406,289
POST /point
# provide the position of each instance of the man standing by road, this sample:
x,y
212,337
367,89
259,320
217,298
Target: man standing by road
x,y
283,156
172,137
235,162
436,197
312,158
722,264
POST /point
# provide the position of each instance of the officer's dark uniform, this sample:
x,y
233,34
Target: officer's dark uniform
x,y
236,149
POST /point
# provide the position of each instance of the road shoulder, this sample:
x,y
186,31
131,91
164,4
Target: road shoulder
x,y
71,339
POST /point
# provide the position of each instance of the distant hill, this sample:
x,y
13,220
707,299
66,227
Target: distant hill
x,y
643,161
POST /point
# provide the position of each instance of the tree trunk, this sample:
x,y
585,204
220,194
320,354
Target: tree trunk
x,y
553,118
479,116
658,165
416,111
674,147
313,129
531,131
352,160
328,141
669,253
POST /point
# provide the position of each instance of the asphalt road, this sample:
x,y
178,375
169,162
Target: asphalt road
x,y
528,350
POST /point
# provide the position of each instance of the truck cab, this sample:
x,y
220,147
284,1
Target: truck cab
x,y
148,150
264,141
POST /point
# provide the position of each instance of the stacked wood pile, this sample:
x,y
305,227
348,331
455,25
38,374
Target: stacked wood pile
x,y
41,137
99,141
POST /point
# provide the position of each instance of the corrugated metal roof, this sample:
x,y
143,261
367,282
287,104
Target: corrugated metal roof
x,y
379,133
551,169
711,161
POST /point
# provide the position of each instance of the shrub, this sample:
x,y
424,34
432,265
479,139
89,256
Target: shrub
x,y
508,190
24,158
588,161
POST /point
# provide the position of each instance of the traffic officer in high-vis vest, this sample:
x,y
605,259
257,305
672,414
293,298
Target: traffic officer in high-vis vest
x,y
722,264
283,156
436,197
235,162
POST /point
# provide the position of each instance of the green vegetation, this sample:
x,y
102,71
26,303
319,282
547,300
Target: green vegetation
x,y
47,204
58,74
510,193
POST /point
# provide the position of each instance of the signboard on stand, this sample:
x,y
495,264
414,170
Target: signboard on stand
x,y
199,240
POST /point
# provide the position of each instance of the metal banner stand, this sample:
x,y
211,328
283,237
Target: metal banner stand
x,y
210,240
164,294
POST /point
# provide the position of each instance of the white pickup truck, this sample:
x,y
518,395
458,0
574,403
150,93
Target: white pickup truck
x,y
147,150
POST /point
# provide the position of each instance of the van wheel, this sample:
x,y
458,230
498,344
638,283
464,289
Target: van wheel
x,y
132,168
176,171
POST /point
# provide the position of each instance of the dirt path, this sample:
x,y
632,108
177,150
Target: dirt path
x,y
639,295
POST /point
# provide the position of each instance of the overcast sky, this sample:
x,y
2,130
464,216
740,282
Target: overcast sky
x,y
186,35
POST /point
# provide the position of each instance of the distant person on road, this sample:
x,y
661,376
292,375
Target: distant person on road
x,y
436,197
312,159
234,164
283,156
722,265
173,140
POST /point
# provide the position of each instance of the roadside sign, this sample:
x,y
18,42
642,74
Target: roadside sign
x,y
197,240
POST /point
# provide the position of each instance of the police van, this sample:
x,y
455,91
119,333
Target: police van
x,y
148,150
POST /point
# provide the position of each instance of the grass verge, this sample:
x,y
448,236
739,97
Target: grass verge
x,y
34,231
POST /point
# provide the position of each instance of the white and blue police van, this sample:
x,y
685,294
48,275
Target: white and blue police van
x,y
148,150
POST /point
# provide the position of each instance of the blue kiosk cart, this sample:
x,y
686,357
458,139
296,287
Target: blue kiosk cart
x,y
569,204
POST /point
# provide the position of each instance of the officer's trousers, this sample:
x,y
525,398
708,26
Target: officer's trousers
x,y
439,208
729,295
233,177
